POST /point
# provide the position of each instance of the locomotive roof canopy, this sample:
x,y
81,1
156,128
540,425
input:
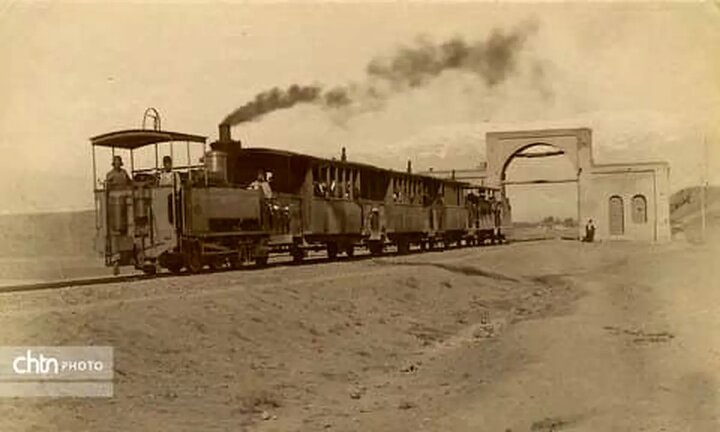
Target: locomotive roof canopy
x,y
135,138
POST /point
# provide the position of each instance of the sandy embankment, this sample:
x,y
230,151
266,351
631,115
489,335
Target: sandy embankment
x,y
431,341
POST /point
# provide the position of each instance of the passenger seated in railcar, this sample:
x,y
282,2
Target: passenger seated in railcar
x,y
320,189
472,198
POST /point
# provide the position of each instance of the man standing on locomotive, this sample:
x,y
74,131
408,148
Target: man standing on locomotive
x,y
117,177
166,175
116,180
260,183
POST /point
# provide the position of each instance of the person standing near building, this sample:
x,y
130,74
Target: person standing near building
x,y
589,231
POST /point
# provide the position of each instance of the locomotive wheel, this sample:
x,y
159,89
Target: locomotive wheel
x,y
149,269
175,268
332,250
194,260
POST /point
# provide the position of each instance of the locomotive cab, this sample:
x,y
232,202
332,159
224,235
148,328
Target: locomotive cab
x,y
138,211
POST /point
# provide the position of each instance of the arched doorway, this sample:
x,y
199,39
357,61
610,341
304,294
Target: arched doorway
x,y
572,148
541,183
616,212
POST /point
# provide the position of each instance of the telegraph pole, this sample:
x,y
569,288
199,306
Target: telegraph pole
x,y
703,188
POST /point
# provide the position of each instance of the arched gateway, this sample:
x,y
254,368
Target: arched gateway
x,y
596,183
601,187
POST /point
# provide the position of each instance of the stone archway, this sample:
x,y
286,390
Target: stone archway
x,y
522,152
596,183
503,147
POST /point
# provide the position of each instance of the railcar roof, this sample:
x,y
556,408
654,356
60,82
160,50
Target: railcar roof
x,y
289,154
135,138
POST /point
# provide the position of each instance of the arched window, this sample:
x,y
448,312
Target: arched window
x,y
639,209
617,215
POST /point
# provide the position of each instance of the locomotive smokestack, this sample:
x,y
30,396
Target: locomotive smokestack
x,y
409,167
224,133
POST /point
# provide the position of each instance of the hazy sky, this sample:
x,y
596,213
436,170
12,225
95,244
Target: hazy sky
x,y
645,77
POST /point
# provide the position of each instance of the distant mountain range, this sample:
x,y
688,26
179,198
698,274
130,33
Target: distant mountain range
x,y
686,212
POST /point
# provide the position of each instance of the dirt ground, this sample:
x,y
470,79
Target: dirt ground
x,y
542,336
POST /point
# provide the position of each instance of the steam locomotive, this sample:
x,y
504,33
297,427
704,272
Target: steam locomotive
x,y
206,215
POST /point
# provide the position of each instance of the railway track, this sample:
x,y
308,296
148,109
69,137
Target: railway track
x,y
65,283
102,280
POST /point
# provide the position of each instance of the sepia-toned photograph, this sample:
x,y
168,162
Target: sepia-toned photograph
x,y
399,216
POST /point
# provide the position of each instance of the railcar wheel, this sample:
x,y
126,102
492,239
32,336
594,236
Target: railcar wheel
x,y
350,251
376,248
297,255
261,261
194,260
216,264
332,250
403,247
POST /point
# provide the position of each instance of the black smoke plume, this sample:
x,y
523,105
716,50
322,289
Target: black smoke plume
x,y
273,100
493,60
